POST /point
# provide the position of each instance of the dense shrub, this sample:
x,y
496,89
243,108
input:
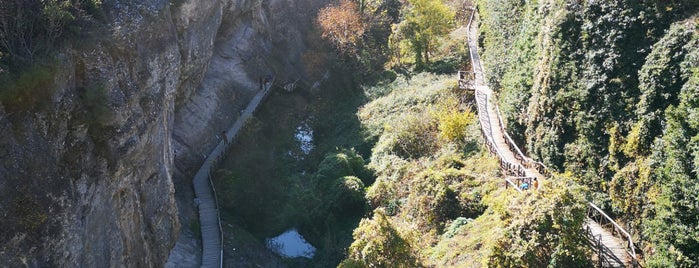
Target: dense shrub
x,y
543,229
453,123
605,90
348,196
411,137
377,243
31,28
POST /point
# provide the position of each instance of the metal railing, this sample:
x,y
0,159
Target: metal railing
x,y
227,141
517,169
513,169
218,216
596,214
510,143
517,182
466,79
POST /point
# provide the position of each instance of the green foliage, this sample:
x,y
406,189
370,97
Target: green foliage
x,y
423,182
411,137
338,179
628,188
379,15
432,202
25,90
543,229
334,166
671,227
604,90
455,226
348,195
377,243
382,193
343,163
411,95
30,29
268,190
452,122
359,30
638,141
426,21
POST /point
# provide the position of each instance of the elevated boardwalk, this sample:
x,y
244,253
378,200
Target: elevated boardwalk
x,y
209,217
609,250
613,246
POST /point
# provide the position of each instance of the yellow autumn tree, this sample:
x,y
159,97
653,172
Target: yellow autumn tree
x,y
425,22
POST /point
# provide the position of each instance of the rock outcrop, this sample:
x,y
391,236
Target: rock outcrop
x,y
90,169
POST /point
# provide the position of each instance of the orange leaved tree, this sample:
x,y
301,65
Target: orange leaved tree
x,y
343,26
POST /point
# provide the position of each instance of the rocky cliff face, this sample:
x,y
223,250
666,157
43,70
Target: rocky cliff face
x,y
88,172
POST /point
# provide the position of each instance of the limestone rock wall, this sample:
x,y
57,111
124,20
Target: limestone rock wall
x,y
89,172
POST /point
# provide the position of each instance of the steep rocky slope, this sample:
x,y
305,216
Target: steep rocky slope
x,y
89,170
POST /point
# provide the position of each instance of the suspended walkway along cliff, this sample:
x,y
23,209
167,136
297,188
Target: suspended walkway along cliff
x,y
613,246
209,217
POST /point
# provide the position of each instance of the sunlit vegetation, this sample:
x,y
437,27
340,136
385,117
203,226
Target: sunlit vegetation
x,y
439,199
602,92
606,90
360,31
425,23
342,25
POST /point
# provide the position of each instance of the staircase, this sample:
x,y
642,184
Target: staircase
x,y
613,246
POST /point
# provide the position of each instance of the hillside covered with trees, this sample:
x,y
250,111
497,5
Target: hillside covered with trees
x,y
602,92
372,153
606,91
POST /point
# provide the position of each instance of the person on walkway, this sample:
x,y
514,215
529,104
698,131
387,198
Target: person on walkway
x,y
268,79
536,184
225,138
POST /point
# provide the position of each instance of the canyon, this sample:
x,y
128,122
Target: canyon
x,y
98,171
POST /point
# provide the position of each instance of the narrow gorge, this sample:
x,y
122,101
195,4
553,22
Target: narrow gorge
x,y
96,160
349,133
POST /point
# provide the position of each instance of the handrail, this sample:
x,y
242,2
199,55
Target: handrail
x,y
510,182
519,182
473,54
627,236
487,132
214,158
509,140
465,81
508,166
218,216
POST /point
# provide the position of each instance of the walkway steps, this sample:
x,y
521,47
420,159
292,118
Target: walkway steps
x,y
611,251
609,247
209,219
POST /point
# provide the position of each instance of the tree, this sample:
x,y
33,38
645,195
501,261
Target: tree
x,y
544,228
378,16
31,28
377,243
342,25
425,22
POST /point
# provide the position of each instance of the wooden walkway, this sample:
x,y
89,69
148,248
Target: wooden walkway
x,y
209,218
612,244
610,249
